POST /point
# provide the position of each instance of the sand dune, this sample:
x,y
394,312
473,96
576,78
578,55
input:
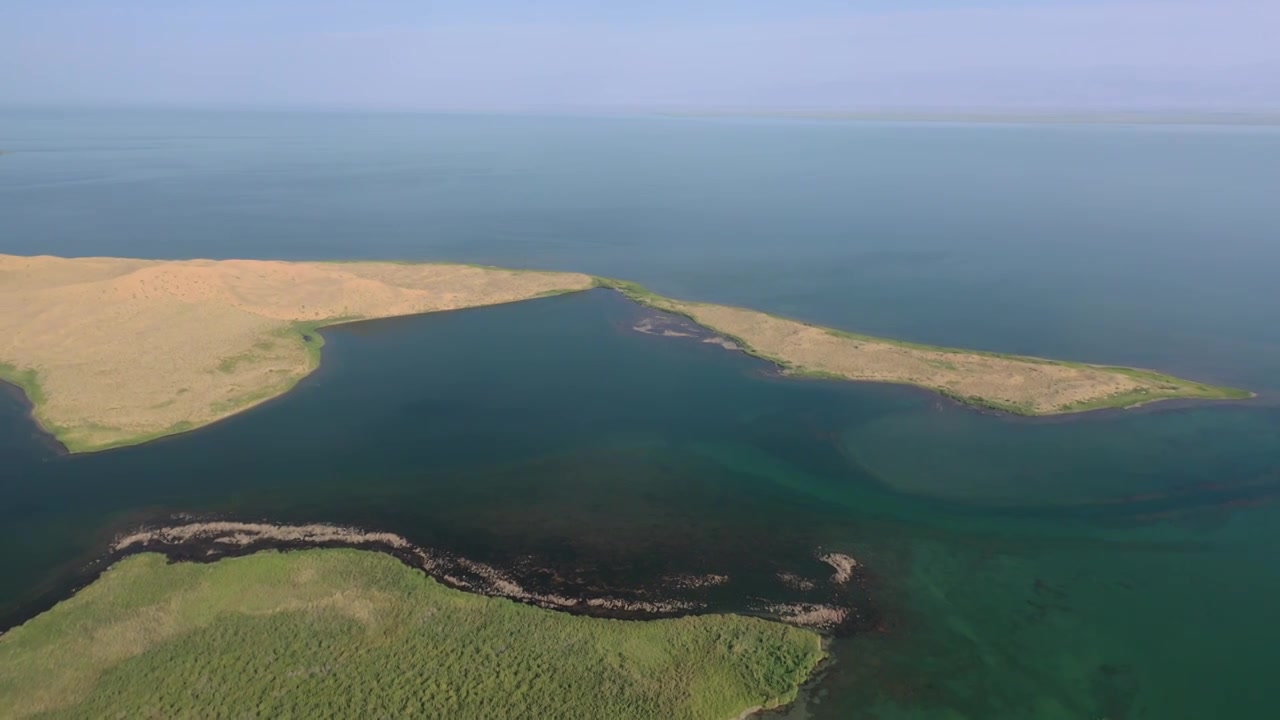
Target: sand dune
x,y
125,350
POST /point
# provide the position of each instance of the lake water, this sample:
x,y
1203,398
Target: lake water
x,y
1118,565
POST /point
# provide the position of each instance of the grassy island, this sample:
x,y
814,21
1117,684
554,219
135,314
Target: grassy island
x,y
115,351
350,633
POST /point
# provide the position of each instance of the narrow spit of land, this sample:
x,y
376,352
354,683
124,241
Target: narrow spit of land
x,y
1012,383
118,351
338,632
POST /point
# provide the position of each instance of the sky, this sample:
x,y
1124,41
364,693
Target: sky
x,y
1055,55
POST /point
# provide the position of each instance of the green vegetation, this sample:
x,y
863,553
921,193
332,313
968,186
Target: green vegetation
x,y
1167,388
306,334
28,380
347,633
72,438
25,379
229,364
634,291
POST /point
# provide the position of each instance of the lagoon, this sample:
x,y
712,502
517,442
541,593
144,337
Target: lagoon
x,y
1021,568
1113,565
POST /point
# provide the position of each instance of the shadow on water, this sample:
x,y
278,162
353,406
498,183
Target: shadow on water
x,y
1013,569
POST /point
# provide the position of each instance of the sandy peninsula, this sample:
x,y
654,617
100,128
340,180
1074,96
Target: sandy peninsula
x,y
118,351
1011,383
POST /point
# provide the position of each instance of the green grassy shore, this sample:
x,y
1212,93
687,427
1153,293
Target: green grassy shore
x,y
349,633
28,381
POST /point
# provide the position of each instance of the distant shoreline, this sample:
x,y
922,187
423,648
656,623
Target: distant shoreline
x,y
1269,118
1258,117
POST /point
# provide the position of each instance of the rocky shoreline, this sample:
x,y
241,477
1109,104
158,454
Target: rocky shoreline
x,y
211,540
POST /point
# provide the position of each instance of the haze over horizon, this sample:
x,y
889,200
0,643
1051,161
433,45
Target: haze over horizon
x,y
819,55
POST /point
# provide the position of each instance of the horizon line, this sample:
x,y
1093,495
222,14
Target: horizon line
x,y
974,113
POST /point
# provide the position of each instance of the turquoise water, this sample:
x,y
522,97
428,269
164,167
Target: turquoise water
x,y
1118,565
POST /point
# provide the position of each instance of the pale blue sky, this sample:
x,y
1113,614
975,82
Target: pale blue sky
x,y
574,54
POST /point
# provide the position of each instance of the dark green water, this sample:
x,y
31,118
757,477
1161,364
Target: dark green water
x,y
1127,576
1120,565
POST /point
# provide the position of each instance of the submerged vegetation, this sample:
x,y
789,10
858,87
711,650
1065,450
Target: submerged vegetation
x,y
328,633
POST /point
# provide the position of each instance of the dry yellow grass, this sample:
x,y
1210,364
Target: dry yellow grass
x,y
1044,387
1024,385
117,351
125,350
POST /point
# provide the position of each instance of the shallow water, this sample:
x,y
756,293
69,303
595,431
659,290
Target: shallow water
x,y
1116,565
551,434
